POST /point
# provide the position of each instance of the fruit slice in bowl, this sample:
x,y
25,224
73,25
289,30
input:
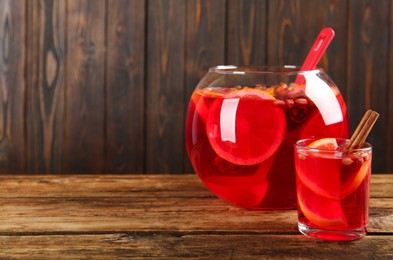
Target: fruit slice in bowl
x,y
203,99
245,127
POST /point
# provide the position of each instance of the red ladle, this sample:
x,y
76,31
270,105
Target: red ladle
x,y
317,50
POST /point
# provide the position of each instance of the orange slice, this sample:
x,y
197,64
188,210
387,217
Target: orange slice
x,y
354,182
324,143
321,211
251,93
203,99
245,127
318,171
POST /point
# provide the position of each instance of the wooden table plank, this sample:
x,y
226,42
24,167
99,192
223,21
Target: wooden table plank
x,y
141,203
137,214
186,185
149,214
102,186
381,186
234,246
121,216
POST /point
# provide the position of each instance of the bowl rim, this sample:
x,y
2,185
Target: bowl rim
x,y
268,69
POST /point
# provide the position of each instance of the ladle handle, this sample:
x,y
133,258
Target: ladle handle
x,y
317,50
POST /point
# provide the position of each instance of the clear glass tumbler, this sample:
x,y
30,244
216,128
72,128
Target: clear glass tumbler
x,y
333,187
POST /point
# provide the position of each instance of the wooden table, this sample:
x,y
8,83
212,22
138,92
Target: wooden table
x,y
122,216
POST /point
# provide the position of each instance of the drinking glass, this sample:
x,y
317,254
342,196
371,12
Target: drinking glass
x,y
333,188
242,124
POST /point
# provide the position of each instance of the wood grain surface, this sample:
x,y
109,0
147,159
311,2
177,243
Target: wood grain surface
x,y
84,110
12,86
136,245
389,120
125,90
118,216
103,86
165,86
45,85
247,38
367,75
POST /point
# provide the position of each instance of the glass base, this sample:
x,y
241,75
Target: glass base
x,y
332,235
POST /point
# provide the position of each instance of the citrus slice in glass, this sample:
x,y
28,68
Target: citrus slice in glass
x,y
312,171
245,127
325,144
354,181
321,211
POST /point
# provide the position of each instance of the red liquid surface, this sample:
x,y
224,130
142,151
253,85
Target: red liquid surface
x,y
240,142
333,194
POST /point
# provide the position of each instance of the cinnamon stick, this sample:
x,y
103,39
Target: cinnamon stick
x,y
363,129
355,134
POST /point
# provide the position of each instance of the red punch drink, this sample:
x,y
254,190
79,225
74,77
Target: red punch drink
x,y
332,188
242,124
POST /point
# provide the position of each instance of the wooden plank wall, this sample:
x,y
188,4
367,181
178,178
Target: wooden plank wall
x,y
102,86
